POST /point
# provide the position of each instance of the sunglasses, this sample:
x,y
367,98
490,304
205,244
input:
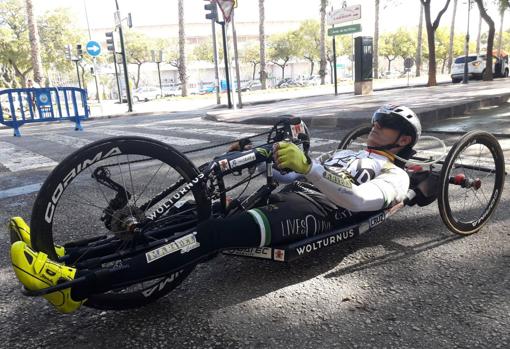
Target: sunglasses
x,y
391,121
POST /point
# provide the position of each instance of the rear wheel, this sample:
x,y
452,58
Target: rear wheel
x,y
472,180
356,139
102,190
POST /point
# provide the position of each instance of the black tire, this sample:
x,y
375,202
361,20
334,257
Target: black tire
x,y
456,81
476,153
70,204
505,75
356,138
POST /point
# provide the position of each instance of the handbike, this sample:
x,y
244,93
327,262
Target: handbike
x,y
127,199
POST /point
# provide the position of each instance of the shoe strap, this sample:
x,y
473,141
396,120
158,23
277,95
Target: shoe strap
x,y
40,261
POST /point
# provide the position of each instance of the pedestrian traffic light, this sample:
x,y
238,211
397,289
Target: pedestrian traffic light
x,y
79,51
211,6
110,43
67,52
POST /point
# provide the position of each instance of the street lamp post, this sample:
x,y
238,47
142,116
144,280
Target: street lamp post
x,y
158,59
465,77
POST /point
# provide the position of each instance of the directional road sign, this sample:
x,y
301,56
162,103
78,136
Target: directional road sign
x,y
93,48
348,29
347,14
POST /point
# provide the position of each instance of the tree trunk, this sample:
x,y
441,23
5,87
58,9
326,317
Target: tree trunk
x,y
138,68
262,40
322,66
479,37
283,71
443,66
420,38
254,70
312,66
500,40
376,41
490,39
431,29
182,50
33,34
452,33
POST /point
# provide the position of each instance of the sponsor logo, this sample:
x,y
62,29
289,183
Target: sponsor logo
x,y
262,151
296,130
308,226
177,196
259,252
376,220
341,179
484,215
184,244
327,241
68,178
224,165
160,285
243,160
279,255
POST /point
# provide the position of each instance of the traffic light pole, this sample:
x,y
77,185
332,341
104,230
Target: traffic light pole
x,y
225,58
124,64
78,73
159,77
117,76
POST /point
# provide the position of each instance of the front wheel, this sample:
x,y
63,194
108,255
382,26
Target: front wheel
x,y
98,193
472,180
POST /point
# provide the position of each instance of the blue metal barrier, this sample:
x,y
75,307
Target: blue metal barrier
x,y
27,105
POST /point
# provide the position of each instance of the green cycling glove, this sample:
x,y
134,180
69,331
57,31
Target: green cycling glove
x,y
289,156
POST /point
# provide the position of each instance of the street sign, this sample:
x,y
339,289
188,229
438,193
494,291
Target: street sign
x,y
226,7
408,63
93,48
347,14
348,29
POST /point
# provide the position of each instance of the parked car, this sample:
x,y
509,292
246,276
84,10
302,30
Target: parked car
x,y
394,74
313,80
171,90
251,85
288,82
146,94
476,67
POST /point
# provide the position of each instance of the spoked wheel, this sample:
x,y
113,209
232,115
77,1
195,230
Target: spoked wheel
x,y
356,139
472,180
99,193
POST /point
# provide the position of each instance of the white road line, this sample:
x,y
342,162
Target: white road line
x,y
26,189
18,159
164,139
201,131
199,121
73,142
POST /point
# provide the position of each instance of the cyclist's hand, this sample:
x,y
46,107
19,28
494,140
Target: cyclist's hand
x,y
288,156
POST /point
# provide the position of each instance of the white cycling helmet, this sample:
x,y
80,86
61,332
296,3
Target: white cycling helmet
x,y
399,118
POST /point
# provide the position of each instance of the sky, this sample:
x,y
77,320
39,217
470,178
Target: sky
x,y
393,13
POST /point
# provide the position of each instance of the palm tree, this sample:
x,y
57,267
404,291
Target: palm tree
x,y
452,33
262,40
376,41
479,37
503,6
322,42
490,38
419,43
182,50
35,48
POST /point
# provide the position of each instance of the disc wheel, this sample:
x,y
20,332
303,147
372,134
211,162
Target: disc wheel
x,y
472,180
82,204
356,139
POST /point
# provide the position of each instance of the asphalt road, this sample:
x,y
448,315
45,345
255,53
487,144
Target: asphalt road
x,y
409,284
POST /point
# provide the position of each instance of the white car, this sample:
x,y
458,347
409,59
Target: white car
x,y
476,67
146,94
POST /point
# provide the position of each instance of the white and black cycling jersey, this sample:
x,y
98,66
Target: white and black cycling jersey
x,y
358,181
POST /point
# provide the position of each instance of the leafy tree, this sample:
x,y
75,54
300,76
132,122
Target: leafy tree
x,y
431,29
308,38
262,47
490,39
137,51
322,46
183,76
35,46
251,55
282,47
397,44
419,44
204,51
452,35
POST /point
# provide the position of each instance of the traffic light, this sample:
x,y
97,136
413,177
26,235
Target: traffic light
x,y
213,15
67,52
110,42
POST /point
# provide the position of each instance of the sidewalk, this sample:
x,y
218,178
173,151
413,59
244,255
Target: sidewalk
x,y
347,110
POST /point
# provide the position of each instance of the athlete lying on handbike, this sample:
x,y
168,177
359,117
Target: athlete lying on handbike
x,y
320,195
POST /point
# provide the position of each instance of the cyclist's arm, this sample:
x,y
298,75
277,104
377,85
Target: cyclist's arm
x,y
390,186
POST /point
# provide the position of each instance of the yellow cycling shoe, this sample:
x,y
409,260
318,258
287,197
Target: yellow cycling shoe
x,y
36,271
20,231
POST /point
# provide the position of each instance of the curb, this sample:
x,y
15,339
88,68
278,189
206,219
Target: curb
x,y
427,117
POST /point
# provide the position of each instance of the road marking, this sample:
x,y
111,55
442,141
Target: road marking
x,y
26,189
164,139
18,159
69,141
201,131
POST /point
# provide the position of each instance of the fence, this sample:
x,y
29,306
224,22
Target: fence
x,y
29,105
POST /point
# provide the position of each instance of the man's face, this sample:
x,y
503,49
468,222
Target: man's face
x,y
381,136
